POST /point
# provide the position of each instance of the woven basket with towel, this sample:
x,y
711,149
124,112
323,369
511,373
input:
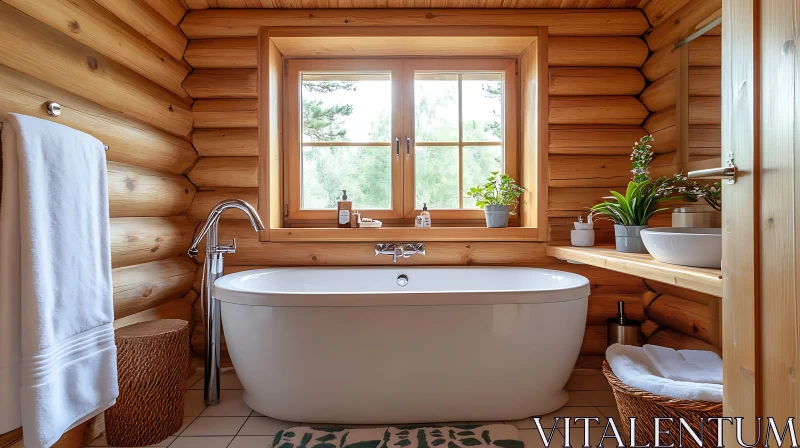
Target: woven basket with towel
x,y
657,382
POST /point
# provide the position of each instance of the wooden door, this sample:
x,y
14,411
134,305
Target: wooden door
x,y
761,219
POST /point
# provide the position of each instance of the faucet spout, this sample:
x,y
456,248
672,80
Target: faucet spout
x,y
216,212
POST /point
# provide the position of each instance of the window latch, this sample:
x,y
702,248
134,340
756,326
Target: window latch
x,y
397,146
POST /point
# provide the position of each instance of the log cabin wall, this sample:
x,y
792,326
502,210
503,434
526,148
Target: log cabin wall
x,y
116,69
676,317
594,114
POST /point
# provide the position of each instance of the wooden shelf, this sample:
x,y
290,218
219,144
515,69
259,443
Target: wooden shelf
x,y
704,280
403,234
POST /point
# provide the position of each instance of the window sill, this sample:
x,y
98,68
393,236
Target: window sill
x,y
403,234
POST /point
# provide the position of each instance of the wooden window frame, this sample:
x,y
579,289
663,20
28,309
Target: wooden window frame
x,y
532,117
402,72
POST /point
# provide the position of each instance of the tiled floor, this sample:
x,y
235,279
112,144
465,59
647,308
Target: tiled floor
x,y
231,424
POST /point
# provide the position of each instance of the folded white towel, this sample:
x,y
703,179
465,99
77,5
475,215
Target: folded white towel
x,y
694,366
59,364
633,367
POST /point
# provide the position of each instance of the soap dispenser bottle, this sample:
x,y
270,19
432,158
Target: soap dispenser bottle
x,y
344,207
424,218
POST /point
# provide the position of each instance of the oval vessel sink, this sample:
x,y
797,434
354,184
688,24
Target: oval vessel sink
x,y
685,246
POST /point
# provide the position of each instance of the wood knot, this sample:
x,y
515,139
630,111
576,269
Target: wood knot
x,y
91,62
155,248
147,292
311,16
186,190
314,258
468,246
170,108
346,21
74,26
130,183
132,238
430,16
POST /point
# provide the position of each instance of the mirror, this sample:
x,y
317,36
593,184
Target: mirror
x,y
699,108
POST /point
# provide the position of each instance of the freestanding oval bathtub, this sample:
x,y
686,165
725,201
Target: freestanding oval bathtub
x,y
350,345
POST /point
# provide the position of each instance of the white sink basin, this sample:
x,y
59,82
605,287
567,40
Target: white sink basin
x,y
686,246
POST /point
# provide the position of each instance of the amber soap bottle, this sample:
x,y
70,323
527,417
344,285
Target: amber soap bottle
x,y
344,208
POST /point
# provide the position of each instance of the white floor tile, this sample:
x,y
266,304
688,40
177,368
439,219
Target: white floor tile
x,y
214,426
533,439
194,379
231,405
251,442
264,426
193,403
186,422
202,442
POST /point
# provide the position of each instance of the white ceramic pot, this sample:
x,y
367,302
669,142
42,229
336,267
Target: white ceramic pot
x,y
497,215
685,246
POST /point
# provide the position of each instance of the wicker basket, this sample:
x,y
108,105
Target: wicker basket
x,y
151,363
646,406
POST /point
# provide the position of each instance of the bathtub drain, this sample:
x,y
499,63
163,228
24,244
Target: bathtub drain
x,y
402,279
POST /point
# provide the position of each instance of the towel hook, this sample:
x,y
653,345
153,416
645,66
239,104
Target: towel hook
x,y
54,109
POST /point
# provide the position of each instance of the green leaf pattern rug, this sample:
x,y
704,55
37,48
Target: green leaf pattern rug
x,y
462,436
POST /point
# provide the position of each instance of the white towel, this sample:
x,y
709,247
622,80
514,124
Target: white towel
x,y
59,360
694,366
632,366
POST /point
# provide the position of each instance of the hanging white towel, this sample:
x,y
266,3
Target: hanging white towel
x,y
59,363
694,366
632,366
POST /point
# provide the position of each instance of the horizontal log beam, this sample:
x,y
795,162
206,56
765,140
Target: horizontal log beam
x,y
589,171
222,83
602,51
705,51
129,141
205,200
595,81
662,93
144,286
174,309
595,340
705,136
560,22
705,110
679,341
172,10
225,113
149,23
65,63
681,23
578,199
685,316
657,11
236,52
94,26
142,240
226,142
616,110
660,120
593,140
225,172
136,191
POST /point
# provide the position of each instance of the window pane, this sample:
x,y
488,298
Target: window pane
x,y
365,172
346,107
482,107
436,176
436,107
479,163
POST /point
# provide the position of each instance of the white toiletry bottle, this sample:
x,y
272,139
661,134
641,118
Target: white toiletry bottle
x,y
425,217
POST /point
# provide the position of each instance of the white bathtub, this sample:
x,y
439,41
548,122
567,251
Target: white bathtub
x,y
349,345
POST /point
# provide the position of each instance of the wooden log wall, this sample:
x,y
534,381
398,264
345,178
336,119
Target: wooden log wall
x,y
116,68
672,21
594,113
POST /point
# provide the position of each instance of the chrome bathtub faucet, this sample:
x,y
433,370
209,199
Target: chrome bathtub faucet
x,y
213,267
402,250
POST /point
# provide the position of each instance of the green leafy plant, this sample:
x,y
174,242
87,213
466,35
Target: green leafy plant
x,y
635,207
500,189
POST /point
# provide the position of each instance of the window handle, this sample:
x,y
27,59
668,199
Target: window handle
x,y
408,146
397,145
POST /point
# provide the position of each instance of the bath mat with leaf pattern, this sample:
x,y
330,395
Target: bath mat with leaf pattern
x,y
430,436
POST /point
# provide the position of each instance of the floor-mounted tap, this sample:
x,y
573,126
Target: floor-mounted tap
x,y
401,250
212,270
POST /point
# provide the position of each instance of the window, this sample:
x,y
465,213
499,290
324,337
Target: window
x,y
396,134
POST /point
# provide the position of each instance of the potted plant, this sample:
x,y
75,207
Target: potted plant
x,y
630,213
496,197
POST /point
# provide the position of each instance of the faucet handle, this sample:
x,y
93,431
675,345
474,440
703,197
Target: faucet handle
x,y
229,249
